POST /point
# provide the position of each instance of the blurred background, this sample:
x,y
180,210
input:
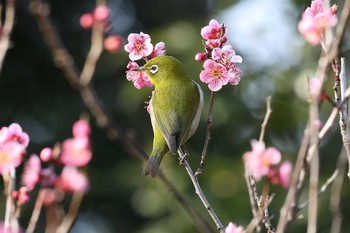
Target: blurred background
x,y
276,62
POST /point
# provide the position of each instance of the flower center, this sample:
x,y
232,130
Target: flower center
x,y
216,73
4,157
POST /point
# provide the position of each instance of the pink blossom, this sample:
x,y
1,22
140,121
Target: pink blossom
x,y
14,133
226,56
214,74
315,20
159,50
139,78
31,172
76,151
285,171
232,228
139,46
234,75
46,154
282,175
212,31
260,160
113,43
101,13
11,156
72,180
81,128
86,20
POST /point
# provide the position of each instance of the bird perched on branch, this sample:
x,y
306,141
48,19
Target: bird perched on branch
x,y
175,108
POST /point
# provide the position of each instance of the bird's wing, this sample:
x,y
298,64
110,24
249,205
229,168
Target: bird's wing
x,y
170,125
175,126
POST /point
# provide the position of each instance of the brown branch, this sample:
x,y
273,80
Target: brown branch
x,y
266,119
103,118
73,210
36,211
7,30
207,137
335,194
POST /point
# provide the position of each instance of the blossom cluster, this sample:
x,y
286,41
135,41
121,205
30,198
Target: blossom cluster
x,y
315,20
140,47
112,43
56,170
262,161
219,58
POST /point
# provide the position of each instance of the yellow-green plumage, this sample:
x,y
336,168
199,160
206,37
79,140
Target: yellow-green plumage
x,y
174,108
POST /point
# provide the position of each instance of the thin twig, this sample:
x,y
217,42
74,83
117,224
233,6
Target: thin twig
x,y
7,30
266,119
251,185
36,211
207,137
324,187
334,203
70,217
199,191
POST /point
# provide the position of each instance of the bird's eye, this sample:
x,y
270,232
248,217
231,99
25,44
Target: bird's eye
x,y
153,69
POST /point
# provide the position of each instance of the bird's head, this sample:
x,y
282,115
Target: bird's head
x,y
164,68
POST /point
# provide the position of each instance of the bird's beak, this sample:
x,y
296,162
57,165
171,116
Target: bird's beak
x,y
141,68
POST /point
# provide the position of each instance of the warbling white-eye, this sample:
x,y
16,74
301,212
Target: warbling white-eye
x,y
175,108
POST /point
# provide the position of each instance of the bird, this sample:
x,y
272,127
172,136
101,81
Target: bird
x,y
175,108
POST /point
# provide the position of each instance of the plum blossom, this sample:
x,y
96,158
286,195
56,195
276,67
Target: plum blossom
x,y
159,49
14,133
219,52
101,13
31,172
214,74
315,20
21,195
87,20
11,156
233,228
46,154
281,175
260,160
76,151
113,43
139,46
72,180
214,34
81,128
137,77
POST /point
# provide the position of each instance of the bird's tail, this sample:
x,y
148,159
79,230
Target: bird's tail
x,y
152,167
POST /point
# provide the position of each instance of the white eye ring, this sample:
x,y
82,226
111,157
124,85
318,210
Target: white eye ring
x,y
153,69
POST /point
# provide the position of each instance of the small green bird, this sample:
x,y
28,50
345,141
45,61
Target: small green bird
x,y
175,108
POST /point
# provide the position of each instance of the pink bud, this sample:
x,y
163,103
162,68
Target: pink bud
x,y
113,43
81,128
46,154
101,13
201,56
86,21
